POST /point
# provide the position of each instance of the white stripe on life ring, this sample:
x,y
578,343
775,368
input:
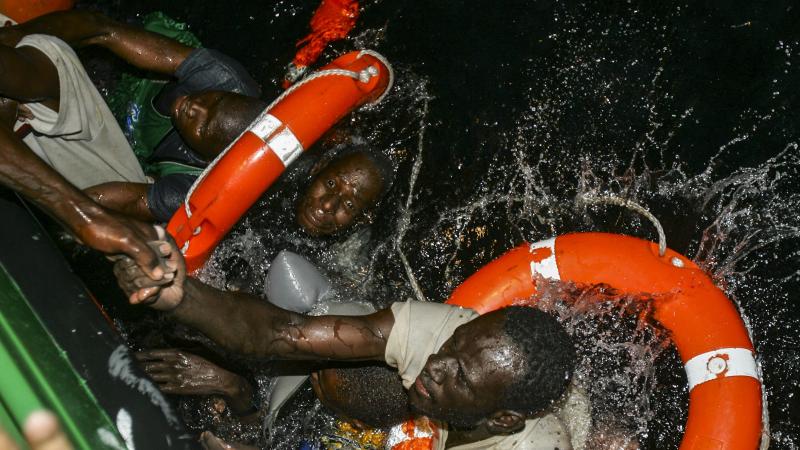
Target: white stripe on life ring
x,y
547,267
286,145
279,137
265,126
721,363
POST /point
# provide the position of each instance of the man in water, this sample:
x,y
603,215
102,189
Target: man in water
x,y
77,164
490,378
365,395
81,136
210,101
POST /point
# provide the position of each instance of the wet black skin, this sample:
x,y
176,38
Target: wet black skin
x,y
464,380
338,194
209,121
179,372
27,75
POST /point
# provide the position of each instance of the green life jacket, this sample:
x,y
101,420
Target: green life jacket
x,y
132,103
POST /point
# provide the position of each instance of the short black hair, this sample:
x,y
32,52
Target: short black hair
x,y
384,165
548,357
246,110
375,395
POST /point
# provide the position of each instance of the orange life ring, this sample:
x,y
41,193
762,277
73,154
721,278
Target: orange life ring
x,y
725,400
234,181
25,10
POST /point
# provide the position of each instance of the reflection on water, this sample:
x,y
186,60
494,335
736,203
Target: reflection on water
x,y
503,118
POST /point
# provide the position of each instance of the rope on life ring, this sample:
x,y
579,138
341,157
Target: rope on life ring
x,y
235,179
363,76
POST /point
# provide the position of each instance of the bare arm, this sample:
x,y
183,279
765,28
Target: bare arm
x,y
123,197
140,48
248,325
27,75
24,172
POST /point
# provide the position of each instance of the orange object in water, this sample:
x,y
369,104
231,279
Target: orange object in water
x,y
725,400
25,10
238,177
413,434
332,20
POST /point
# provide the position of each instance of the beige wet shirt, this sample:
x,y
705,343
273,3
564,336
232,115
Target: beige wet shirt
x,y
82,141
420,329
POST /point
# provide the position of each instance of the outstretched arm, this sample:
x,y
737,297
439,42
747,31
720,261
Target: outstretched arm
x,y
248,325
26,173
140,48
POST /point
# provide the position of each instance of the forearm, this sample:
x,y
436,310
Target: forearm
x,y
26,173
125,198
248,325
240,323
75,27
139,47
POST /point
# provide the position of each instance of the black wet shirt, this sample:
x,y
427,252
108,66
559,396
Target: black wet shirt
x,y
203,70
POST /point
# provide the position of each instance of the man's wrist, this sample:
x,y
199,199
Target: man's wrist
x,y
82,216
182,312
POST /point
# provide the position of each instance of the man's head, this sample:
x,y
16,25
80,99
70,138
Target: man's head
x,y
209,121
496,370
341,191
371,395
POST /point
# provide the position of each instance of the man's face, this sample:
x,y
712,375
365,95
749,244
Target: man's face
x,y
466,379
339,194
208,121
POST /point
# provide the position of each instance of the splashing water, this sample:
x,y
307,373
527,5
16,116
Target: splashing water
x,y
687,109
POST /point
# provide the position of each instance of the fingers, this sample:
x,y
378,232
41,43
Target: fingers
x,y
211,442
43,432
127,269
165,379
152,255
158,354
145,296
6,443
160,232
166,264
148,260
135,283
24,113
164,367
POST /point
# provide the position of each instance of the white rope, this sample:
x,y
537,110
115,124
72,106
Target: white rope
x,y
388,66
363,76
625,203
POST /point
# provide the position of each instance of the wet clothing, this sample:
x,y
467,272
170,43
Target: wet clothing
x,y
420,329
172,162
82,141
131,100
407,347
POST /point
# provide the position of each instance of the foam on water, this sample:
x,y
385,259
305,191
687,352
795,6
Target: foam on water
x,y
652,105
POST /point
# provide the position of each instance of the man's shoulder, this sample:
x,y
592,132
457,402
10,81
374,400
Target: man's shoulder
x,y
47,44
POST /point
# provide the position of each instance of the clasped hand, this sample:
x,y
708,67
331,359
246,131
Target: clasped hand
x,y
164,294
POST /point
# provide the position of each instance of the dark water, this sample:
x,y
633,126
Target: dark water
x,y
510,114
